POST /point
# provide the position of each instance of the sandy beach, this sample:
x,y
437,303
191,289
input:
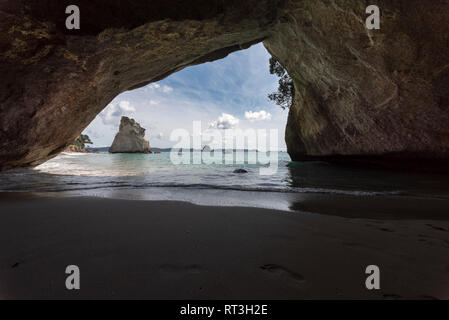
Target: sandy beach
x,y
175,250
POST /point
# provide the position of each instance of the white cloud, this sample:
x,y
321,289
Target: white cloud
x,y
154,102
154,86
112,113
225,121
158,87
257,116
125,106
167,89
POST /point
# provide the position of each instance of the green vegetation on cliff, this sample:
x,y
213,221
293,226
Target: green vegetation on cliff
x,y
283,97
79,145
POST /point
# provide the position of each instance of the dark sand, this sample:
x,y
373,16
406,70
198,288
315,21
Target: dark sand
x,y
174,250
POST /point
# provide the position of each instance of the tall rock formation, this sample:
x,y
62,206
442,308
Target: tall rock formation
x,y
130,138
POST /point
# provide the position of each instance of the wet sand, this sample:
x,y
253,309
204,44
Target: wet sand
x,y
176,250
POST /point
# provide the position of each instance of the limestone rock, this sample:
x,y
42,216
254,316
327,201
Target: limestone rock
x,y
130,138
359,92
363,93
55,81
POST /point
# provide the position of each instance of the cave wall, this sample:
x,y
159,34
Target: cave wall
x,y
357,92
55,81
361,92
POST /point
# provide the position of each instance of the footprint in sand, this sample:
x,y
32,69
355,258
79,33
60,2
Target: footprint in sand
x,y
187,269
437,228
381,229
392,296
426,297
351,244
386,230
282,272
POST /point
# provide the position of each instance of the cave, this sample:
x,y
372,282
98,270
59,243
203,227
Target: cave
x,y
137,225
359,94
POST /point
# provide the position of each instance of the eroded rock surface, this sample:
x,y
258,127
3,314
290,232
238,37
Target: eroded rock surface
x,y
130,138
358,92
55,81
366,93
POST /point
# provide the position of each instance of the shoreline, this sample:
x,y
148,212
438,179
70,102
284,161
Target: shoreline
x,y
376,207
176,250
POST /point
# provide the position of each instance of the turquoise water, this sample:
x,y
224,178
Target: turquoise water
x,y
73,171
103,171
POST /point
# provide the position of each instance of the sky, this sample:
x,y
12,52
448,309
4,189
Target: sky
x,y
226,94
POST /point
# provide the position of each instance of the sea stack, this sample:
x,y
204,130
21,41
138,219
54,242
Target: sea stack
x,y
130,138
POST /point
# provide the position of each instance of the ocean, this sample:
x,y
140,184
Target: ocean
x,y
155,177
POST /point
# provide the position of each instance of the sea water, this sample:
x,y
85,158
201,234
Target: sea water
x,y
155,177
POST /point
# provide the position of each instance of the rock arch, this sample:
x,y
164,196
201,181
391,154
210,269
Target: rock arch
x,y
358,92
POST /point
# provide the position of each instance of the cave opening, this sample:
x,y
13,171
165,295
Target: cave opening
x,y
228,97
221,105
230,93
